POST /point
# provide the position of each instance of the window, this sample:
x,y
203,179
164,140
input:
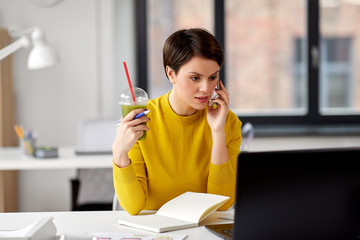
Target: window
x,y
165,17
288,63
299,72
336,75
340,57
259,61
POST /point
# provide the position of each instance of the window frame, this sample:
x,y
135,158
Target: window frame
x,y
310,123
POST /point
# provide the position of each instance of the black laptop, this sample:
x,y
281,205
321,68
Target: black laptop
x,y
300,194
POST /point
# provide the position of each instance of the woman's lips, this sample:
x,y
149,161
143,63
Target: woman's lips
x,y
202,99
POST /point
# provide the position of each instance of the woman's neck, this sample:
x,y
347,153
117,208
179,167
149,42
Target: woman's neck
x,y
180,107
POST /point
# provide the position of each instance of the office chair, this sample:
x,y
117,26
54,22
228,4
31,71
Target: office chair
x,y
116,205
247,133
93,189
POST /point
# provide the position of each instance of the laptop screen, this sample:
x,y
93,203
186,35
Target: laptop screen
x,y
303,194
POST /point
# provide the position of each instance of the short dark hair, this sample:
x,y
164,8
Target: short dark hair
x,y
184,44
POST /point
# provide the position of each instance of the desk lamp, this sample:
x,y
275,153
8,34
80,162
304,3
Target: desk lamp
x,y
41,56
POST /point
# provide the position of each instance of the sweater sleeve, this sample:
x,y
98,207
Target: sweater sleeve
x,y
130,183
222,178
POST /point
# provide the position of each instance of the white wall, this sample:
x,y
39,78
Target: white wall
x,y
90,39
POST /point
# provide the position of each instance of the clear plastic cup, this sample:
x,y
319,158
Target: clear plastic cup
x,y
27,146
127,103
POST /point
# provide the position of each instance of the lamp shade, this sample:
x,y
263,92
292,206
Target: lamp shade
x,y
41,55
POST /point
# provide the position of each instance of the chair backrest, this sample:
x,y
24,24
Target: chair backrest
x,y
116,206
96,186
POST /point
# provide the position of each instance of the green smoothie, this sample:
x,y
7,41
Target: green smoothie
x,y
125,109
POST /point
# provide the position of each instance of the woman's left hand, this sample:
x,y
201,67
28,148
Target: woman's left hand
x,y
217,117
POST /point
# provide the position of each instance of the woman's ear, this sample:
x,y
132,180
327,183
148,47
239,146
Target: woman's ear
x,y
171,74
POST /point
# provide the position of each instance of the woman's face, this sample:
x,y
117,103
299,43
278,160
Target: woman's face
x,y
193,85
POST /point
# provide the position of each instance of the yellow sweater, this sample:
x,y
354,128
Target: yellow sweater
x,y
175,158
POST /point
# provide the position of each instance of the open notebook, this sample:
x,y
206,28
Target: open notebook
x,y
184,211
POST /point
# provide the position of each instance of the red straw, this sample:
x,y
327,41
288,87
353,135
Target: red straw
x,y
128,78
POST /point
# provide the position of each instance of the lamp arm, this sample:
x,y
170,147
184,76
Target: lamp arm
x,y
22,42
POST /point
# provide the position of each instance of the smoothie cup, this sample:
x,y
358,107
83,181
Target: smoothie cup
x,y
127,102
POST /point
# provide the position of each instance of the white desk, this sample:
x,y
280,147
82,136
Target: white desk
x,y
101,221
12,159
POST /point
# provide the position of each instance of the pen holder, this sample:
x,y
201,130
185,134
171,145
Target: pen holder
x,y
27,146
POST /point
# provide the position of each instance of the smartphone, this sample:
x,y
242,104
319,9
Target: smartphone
x,y
215,96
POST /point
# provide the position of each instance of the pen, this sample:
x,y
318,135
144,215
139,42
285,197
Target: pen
x,y
141,114
29,135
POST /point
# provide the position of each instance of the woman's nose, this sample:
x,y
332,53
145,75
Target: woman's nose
x,y
205,86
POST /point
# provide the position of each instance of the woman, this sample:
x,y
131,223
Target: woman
x,y
189,146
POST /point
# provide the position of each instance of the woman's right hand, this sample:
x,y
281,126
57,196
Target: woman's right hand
x,y
128,131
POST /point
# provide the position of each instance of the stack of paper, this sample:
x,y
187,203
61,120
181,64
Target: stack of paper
x,y
42,229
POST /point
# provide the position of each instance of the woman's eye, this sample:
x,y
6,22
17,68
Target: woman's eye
x,y
194,78
213,77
